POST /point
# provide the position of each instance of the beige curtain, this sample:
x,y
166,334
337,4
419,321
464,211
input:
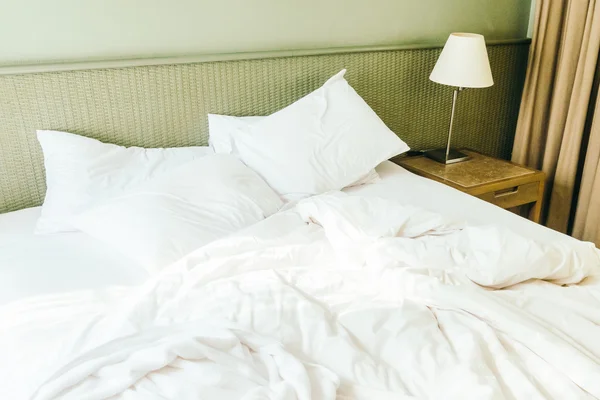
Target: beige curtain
x,y
558,129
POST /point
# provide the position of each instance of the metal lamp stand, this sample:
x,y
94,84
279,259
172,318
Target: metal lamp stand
x,y
448,155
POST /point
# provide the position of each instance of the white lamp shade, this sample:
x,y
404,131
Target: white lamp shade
x,y
463,62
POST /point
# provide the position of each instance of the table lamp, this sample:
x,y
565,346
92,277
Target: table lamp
x,y
463,63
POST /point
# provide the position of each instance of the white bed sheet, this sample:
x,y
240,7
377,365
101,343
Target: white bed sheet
x,y
404,186
287,309
40,264
370,299
32,265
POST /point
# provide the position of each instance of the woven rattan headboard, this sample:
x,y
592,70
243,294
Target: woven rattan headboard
x,y
166,105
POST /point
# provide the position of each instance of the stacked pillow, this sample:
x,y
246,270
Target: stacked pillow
x,y
325,141
154,205
157,205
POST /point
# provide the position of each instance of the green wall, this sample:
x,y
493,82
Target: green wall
x,y
72,30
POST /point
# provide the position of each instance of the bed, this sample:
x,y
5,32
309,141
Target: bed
x,y
392,344
393,287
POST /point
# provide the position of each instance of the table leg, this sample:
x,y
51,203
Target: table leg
x,y
536,211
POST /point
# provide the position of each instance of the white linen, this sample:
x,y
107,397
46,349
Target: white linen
x,y
325,141
163,219
222,130
33,265
410,189
281,310
81,171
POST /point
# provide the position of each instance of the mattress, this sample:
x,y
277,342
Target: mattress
x,y
32,265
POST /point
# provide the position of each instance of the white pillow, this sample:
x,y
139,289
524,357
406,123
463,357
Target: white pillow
x,y
324,141
222,128
162,220
80,171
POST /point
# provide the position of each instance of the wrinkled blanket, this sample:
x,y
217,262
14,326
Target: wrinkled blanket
x,y
339,297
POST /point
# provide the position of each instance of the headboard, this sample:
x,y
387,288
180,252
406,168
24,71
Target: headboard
x,y
164,102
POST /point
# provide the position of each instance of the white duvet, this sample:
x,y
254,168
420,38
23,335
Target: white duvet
x,y
340,297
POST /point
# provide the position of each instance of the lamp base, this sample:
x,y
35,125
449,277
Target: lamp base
x,y
439,155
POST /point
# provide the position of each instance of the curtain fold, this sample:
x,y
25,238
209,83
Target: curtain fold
x,y
553,130
532,124
587,216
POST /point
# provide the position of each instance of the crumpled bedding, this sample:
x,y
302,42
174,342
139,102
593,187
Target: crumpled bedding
x,y
340,297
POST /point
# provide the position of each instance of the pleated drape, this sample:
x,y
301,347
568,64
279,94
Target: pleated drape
x,y
558,129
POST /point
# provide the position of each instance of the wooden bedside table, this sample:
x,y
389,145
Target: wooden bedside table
x,y
496,181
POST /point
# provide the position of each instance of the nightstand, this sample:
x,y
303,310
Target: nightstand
x,y
496,181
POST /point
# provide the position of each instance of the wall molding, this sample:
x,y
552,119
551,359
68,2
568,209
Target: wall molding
x,y
20,69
